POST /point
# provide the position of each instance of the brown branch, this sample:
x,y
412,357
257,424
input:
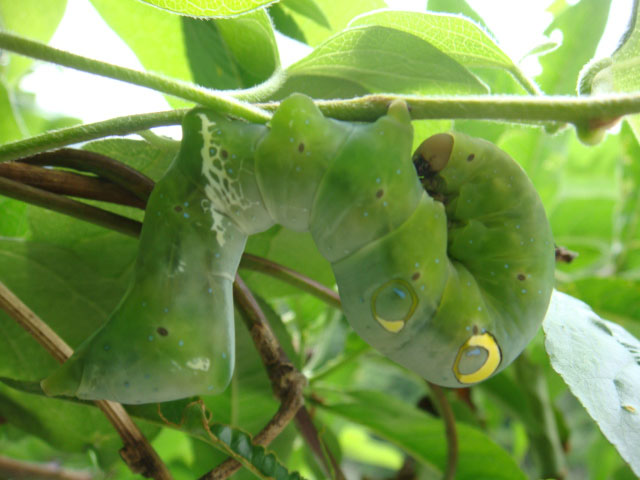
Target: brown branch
x,y
68,183
106,167
137,452
450,428
15,469
288,408
278,366
65,205
258,264
286,381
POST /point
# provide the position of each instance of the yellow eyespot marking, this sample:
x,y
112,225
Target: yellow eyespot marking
x,y
393,304
477,358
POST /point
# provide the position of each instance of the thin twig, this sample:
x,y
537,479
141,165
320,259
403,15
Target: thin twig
x,y
288,408
217,99
286,381
103,166
275,359
69,183
258,264
15,469
450,428
137,452
61,204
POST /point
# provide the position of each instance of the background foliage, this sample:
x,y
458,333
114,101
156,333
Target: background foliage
x,y
372,415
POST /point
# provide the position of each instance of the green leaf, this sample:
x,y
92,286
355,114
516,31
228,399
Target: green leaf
x,y
459,7
613,297
31,18
456,36
10,128
338,15
210,8
423,437
600,362
320,87
582,26
387,60
68,426
309,9
284,23
232,53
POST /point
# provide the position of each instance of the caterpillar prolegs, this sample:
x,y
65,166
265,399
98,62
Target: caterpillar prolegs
x,y
445,266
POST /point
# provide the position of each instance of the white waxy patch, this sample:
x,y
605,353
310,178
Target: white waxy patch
x,y
223,191
199,363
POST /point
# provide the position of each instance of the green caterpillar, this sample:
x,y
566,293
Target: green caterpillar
x,y
448,272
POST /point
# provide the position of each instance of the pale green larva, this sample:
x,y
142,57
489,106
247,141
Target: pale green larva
x,y
448,272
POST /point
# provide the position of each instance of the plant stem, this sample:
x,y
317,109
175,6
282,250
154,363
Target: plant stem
x,y
524,109
106,167
218,100
258,264
450,427
90,131
69,183
62,204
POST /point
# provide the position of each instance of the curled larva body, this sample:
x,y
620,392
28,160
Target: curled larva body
x,y
449,276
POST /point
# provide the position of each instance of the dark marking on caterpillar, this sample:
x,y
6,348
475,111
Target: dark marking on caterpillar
x,y
163,331
379,193
301,147
471,157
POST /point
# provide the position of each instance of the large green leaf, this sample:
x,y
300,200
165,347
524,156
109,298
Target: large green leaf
x,y
210,8
32,18
456,36
600,361
423,437
388,60
229,53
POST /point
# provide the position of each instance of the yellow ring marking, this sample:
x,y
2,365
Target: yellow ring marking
x,y
494,356
394,326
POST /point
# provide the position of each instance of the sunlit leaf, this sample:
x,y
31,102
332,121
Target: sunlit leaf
x,y
600,361
456,36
